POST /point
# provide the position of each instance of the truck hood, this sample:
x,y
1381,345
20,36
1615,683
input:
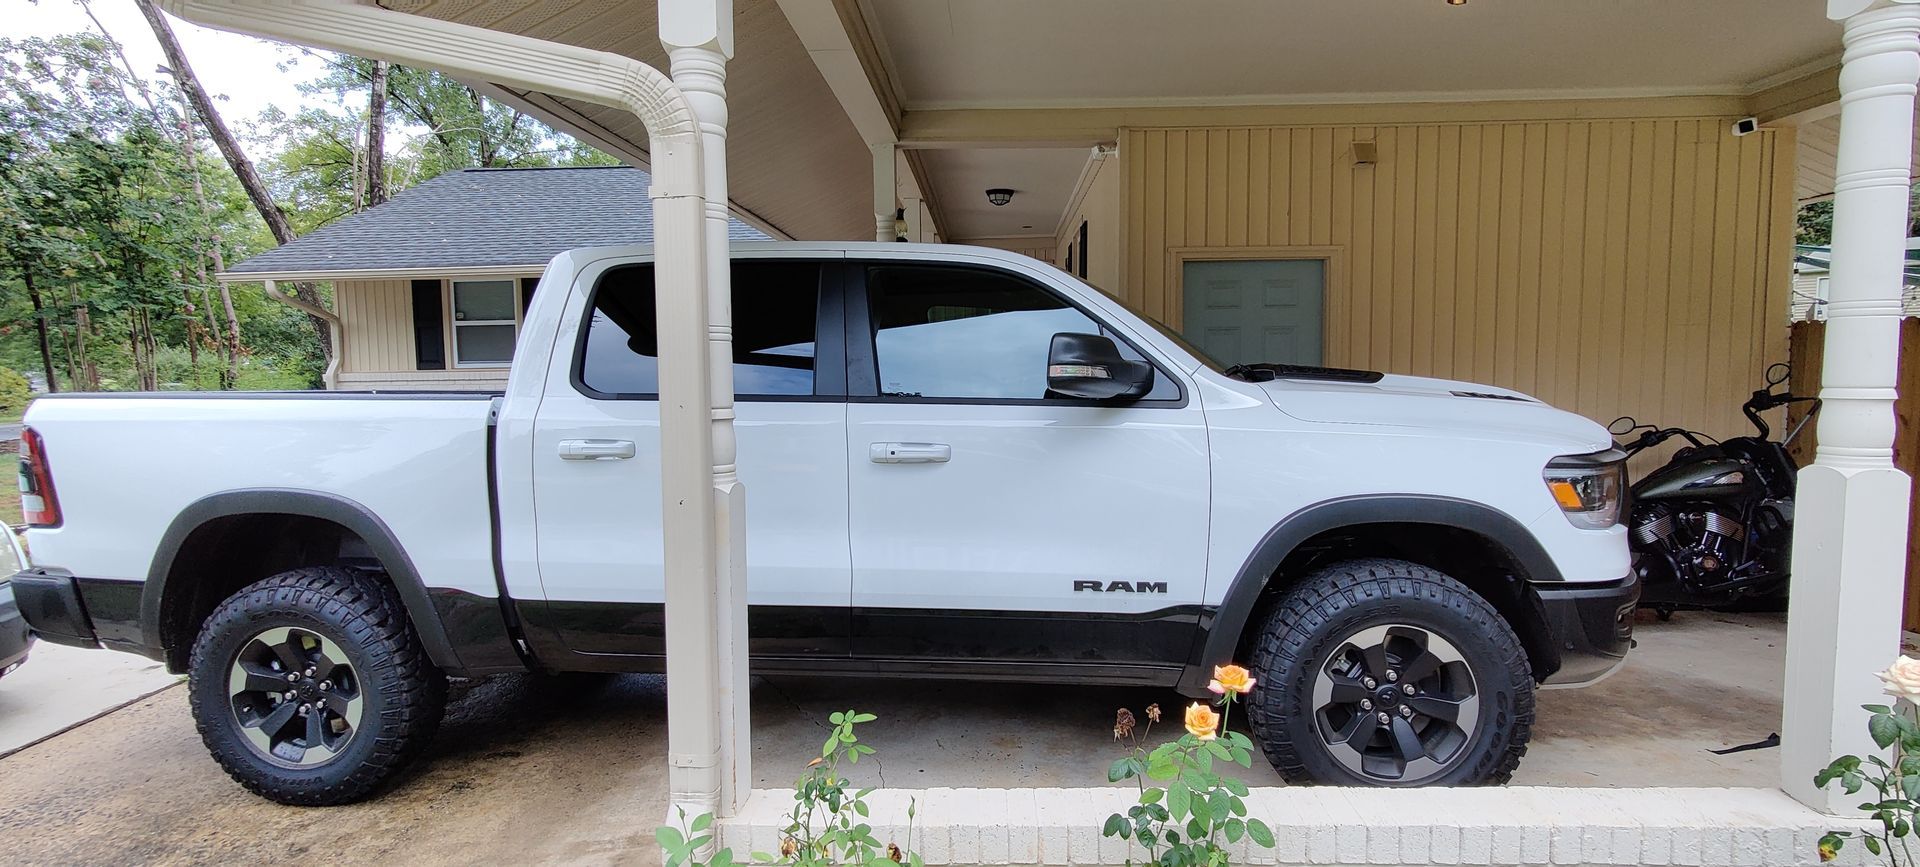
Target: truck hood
x,y
1457,408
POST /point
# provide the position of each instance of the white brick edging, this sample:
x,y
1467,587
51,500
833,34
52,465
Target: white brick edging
x,y
1340,826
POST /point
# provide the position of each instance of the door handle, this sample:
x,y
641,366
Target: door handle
x,y
596,450
910,453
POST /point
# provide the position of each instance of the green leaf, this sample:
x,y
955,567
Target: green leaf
x,y
1876,708
860,807
1234,786
1873,844
1179,800
1152,796
1162,767
864,717
722,858
1260,833
703,823
836,717
1884,728
1116,826
1235,830
1123,768
669,837
826,749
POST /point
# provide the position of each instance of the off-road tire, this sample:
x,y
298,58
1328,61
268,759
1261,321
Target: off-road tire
x,y
1314,617
405,692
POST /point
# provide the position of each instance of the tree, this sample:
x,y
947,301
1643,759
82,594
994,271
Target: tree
x,y
243,168
377,134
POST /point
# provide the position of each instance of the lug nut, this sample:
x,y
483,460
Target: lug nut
x,y
328,684
1406,711
309,671
1405,687
1366,704
1391,675
1384,718
1369,682
305,708
287,696
293,677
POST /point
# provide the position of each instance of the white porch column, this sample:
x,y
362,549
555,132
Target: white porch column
x,y
709,735
1849,540
885,186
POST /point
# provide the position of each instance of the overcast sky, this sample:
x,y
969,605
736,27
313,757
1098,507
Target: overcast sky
x,y
242,73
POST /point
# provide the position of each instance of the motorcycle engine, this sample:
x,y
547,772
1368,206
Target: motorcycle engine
x,y
1702,543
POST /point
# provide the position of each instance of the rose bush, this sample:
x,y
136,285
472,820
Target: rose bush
x,y
1897,783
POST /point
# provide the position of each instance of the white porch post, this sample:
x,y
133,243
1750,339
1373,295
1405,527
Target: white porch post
x,y
709,735
1849,540
885,187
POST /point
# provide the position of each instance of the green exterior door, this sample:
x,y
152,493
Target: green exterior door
x,y
1244,311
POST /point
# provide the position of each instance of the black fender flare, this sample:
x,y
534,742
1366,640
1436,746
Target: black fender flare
x,y
311,504
1220,638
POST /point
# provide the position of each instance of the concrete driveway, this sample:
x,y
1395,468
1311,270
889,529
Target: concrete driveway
x,y
534,769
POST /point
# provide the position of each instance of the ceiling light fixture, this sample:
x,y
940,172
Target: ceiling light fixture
x,y
999,196
1456,2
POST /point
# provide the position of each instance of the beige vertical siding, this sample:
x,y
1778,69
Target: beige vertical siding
x,y
1100,210
378,317
1609,267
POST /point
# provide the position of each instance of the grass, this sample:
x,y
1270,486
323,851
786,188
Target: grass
x,y
10,493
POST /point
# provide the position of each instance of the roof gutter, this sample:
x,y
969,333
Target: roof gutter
x,y
532,269
336,333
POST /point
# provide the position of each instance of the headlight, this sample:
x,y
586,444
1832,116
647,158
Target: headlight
x,y
1589,488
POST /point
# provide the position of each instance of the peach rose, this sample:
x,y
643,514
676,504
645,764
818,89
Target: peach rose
x,y
1202,722
1903,679
1231,678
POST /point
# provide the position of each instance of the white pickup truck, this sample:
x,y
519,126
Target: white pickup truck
x,y
960,462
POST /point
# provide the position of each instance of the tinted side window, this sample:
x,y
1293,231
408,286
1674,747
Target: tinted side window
x,y
948,332
774,309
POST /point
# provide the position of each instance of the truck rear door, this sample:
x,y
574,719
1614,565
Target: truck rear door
x,y
596,462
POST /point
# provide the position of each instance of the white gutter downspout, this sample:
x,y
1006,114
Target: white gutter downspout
x,y
692,418
336,333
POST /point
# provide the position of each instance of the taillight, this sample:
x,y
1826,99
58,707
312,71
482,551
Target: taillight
x,y
38,504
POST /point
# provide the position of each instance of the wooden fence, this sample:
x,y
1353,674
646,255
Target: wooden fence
x,y
1805,349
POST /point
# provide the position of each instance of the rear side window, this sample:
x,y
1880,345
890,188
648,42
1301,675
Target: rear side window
x,y
775,308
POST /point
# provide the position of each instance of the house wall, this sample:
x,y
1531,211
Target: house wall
x,y
377,316
1610,267
1039,247
1100,210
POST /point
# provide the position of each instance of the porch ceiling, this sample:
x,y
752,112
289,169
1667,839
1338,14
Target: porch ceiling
x,y
1017,53
1042,180
1819,149
794,162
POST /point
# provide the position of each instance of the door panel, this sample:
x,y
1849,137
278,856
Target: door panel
x,y
1053,531
1245,311
598,517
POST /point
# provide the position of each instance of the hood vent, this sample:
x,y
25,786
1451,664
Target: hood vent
x,y
1488,396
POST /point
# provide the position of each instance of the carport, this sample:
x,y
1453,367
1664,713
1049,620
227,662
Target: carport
x,y
818,111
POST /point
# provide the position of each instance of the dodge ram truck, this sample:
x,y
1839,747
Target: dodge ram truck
x,y
961,463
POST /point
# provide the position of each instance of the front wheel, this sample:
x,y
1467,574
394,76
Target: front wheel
x,y
1387,673
310,687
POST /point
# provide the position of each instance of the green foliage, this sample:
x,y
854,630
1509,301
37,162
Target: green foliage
x,y
1198,812
1896,785
829,824
14,393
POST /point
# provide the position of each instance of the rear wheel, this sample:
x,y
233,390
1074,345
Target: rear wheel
x,y
1387,673
310,687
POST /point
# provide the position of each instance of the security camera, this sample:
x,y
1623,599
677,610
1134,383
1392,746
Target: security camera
x,y
1746,126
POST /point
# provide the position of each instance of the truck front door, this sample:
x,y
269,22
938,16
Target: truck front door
x,y
992,522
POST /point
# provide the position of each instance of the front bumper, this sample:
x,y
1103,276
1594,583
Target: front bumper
x,y
1591,625
15,638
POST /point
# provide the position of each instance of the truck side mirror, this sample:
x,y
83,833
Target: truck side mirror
x,y
1089,366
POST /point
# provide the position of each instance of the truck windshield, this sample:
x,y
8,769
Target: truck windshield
x,y
1165,330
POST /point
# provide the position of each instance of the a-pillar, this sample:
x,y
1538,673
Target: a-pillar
x,y
1850,532
709,734
886,186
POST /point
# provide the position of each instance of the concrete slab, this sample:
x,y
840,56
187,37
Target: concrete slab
x,y
531,769
62,687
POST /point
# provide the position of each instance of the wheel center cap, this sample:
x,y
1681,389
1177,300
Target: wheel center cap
x,y
1386,696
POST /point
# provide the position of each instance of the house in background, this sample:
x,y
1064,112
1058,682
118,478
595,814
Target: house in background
x,y
1811,266
430,287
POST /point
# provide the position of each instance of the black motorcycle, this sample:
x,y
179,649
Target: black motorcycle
x,y
1712,528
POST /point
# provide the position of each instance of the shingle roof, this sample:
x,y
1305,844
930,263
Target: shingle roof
x,y
481,217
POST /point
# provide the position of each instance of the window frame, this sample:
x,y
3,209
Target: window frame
x,y
450,339
863,368
829,357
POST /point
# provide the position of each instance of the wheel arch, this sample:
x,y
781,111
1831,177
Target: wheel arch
x,y
170,602
1312,536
